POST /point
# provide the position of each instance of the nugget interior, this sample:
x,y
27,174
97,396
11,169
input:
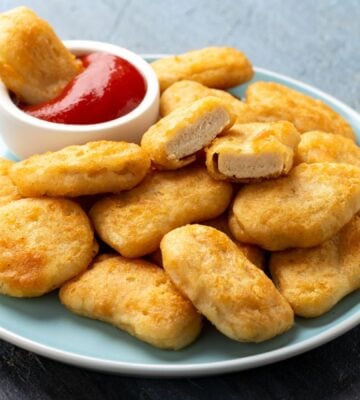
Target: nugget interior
x,y
248,166
196,136
253,151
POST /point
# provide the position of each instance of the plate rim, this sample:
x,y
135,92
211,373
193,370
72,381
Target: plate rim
x,y
206,368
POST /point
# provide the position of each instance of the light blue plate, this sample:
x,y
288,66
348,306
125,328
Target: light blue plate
x,y
44,326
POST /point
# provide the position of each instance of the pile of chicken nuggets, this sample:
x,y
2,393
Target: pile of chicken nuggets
x,y
243,212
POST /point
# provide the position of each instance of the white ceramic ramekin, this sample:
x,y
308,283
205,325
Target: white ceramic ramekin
x,y
25,135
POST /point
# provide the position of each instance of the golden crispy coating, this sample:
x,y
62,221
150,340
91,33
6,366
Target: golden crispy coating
x,y
314,280
134,222
184,93
302,209
272,102
8,191
173,141
137,297
237,297
34,63
254,253
249,152
216,67
96,167
317,146
43,243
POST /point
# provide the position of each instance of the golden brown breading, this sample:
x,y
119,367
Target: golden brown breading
x,y
317,146
96,167
173,141
34,63
43,243
137,297
184,93
249,152
237,297
302,209
216,67
314,280
254,253
273,102
134,222
8,191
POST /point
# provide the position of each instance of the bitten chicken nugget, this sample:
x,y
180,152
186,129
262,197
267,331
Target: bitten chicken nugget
x,y
273,102
302,209
237,297
317,146
96,167
34,63
173,141
43,243
184,93
134,222
314,280
8,191
254,253
216,67
254,151
137,297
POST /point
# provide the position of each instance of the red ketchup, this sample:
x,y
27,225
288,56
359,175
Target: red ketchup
x,y
108,88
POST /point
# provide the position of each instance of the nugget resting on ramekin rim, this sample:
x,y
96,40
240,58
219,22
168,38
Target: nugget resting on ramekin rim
x,y
137,297
231,292
216,67
254,253
43,243
318,146
92,168
253,151
314,280
34,63
174,140
8,191
184,93
302,209
272,101
134,222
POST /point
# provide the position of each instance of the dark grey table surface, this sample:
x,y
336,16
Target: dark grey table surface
x,y
317,42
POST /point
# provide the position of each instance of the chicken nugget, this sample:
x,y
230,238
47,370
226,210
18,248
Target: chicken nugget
x,y
8,191
237,297
314,280
184,93
96,167
302,209
43,243
173,141
249,152
273,102
137,297
216,67
34,63
133,223
254,253
317,146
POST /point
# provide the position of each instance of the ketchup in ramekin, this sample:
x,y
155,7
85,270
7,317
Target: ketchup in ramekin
x,y
108,88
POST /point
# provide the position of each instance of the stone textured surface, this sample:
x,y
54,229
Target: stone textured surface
x,y
317,42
